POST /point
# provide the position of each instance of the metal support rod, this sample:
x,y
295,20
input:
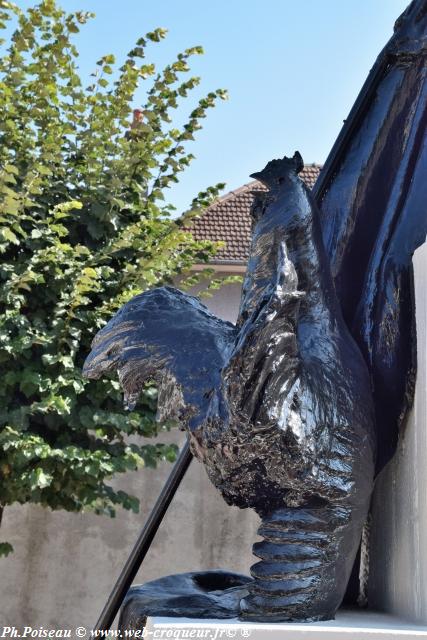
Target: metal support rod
x,y
144,541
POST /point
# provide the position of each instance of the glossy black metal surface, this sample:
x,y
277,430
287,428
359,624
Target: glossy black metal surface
x,y
372,194
170,337
207,594
278,408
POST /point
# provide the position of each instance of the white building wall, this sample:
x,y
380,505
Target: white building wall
x,y
225,302
398,566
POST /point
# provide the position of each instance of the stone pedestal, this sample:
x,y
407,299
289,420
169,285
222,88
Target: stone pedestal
x,y
349,625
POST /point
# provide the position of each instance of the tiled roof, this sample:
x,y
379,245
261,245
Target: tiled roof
x,y
229,220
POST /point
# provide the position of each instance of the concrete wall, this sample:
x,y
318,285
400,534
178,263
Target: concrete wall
x,y
398,565
65,565
225,302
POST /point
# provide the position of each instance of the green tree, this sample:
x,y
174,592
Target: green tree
x,y
83,227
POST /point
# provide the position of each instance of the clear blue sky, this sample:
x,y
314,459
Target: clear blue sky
x,y
293,70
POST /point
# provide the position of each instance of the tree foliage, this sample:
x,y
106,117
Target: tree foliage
x,y
83,227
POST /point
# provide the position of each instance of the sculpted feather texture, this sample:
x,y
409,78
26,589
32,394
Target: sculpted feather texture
x,y
278,408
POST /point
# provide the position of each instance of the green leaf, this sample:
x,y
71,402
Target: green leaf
x,y
5,549
8,235
39,479
10,168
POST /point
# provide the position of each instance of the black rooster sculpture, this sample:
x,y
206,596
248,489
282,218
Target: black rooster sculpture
x,y
278,408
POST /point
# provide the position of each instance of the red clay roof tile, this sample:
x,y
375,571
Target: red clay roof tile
x,y
228,219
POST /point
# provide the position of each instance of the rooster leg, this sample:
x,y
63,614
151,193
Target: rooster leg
x,y
306,557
